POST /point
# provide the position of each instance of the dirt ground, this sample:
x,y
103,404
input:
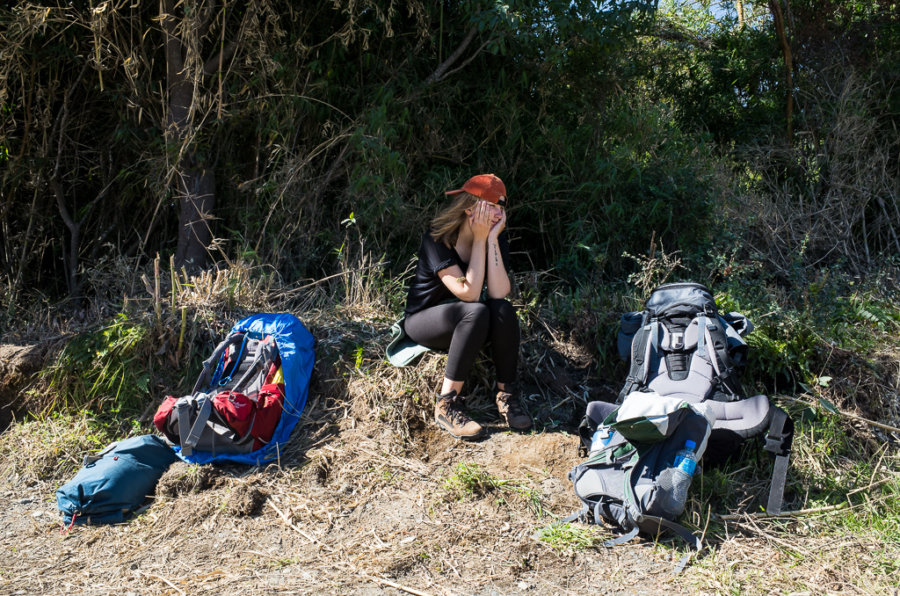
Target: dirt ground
x,y
363,514
355,519
357,505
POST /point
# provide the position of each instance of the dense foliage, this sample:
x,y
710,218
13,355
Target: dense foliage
x,y
745,144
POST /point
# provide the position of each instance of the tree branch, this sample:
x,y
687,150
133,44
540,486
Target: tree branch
x,y
670,32
468,60
441,71
214,64
778,16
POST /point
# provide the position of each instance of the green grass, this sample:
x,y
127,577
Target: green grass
x,y
470,480
51,448
567,537
103,369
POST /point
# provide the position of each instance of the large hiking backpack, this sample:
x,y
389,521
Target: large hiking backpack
x,y
248,397
680,347
631,479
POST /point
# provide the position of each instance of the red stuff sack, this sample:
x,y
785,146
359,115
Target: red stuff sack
x,y
163,416
236,409
269,404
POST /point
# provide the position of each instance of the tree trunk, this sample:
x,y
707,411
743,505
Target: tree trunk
x,y
195,183
197,188
778,16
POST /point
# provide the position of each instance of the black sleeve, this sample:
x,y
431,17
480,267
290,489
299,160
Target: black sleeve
x,y
435,256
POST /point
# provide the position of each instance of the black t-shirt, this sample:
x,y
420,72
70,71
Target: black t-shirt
x,y
426,288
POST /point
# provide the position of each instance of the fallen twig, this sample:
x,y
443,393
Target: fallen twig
x,y
162,579
880,425
296,529
395,585
870,486
794,547
797,513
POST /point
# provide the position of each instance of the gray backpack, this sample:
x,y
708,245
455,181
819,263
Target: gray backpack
x,y
679,346
631,479
232,382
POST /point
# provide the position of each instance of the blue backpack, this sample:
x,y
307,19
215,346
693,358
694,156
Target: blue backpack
x,y
113,484
237,368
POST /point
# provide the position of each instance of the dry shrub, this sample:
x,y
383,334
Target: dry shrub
x,y
235,285
834,194
865,387
49,449
182,478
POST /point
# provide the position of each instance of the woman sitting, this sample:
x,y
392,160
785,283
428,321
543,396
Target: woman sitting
x,y
457,301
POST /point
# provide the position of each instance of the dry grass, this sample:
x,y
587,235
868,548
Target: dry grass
x,y
833,195
370,497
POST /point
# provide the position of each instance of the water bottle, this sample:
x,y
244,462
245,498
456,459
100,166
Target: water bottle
x,y
600,438
685,464
685,460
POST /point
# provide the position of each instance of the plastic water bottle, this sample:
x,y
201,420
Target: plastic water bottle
x,y
600,438
685,464
685,460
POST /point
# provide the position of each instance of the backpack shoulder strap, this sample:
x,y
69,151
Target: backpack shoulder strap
x,y
189,434
209,375
645,340
712,344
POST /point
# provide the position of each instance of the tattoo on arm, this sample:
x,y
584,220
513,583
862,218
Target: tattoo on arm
x,y
496,255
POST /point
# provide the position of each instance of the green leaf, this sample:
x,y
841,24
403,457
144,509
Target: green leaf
x,y
828,405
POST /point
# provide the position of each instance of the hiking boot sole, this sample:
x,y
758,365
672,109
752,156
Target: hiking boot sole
x,y
521,429
450,432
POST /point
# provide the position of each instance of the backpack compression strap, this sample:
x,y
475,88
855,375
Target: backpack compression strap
x,y
189,434
640,519
778,441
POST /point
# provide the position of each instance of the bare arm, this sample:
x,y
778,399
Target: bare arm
x,y
467,287
498,285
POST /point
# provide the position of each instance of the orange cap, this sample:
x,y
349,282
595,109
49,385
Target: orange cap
x,y
484,186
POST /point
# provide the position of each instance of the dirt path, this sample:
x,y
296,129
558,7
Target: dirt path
x,y
361,516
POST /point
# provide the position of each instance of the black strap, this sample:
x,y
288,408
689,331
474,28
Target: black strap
x,y
779,440
580,515
622,539
689,538
637,372
585,433
780,435
720,352
678,529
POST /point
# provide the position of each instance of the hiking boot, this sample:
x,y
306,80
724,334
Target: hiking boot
x,y
448,414
511,409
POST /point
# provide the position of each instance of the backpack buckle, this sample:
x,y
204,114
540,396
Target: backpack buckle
x,y
677,341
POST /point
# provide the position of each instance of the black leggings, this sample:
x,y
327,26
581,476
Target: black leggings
x,y
462,328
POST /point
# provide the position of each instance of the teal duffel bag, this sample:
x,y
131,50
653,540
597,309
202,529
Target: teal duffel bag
x,y
115,482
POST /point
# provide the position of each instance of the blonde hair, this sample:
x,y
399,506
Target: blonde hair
x,y
445,226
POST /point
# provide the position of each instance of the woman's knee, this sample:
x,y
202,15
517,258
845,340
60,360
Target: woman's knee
x,y
502,312
476,314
